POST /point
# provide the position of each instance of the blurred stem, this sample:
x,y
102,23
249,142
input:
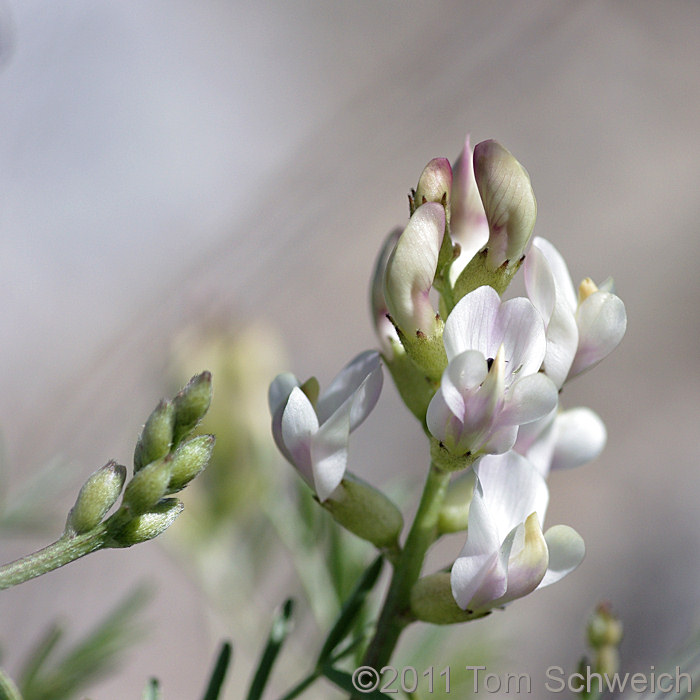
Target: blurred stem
x,y
395,614
62,552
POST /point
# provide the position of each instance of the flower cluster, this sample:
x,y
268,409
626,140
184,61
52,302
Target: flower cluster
x,y
483,375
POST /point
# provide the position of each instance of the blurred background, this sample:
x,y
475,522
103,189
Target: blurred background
x,y
170,170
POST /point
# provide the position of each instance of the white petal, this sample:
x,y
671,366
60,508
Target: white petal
x,y
520,328
280,389
411,269
329,453
529,398
559,270
562,343
580,438
469,325
602,322
512,490
566,552
299,425
348,381
501,440
539,281
482,573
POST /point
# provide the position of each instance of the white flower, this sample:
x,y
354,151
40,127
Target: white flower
x,y
315,438
562,439
581,330
506,556
491,384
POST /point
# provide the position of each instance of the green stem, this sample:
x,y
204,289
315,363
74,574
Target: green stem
x,y
395,614
61,552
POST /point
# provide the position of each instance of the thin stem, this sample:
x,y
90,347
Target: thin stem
x,y
63,551
395,614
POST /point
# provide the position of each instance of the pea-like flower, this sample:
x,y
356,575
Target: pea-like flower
x,y
582,328
562,440
313,435
506,555
491,384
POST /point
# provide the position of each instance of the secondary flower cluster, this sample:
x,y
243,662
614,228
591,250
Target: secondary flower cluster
x,y
482,375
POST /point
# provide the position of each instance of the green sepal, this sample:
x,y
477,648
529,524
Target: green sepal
x,y
432,601
156,437
148,486
442,458
414,387
189,460
476,274
191,404
98,494
366,512
148,525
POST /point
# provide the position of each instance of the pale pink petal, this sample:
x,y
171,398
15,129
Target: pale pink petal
x,y
580,438
411,269
566,551
329,452
470,325
348,381
520,329
299,425
529,398
602,322
559,271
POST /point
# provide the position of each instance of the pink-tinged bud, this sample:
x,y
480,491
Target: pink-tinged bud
x,y
388,338
410,271
509,203
435,183
468,226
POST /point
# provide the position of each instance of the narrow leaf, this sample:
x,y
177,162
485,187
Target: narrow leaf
x,y
8,690
218,675
345,682
152,690
351,609
281,626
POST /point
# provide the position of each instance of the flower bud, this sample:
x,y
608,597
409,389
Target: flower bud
x,y
468,226
98,494
435,184
191,404
388,337
148,525
509,203
156,436
454,513
148,486
365,511
604,628
432,601
189,460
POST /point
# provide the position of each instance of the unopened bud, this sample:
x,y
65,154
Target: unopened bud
x,y
604,628
98,494
432,601
365,511
509,203
148,525
435,184
189,460
388,337
454,513
156,437
148,486
191,404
